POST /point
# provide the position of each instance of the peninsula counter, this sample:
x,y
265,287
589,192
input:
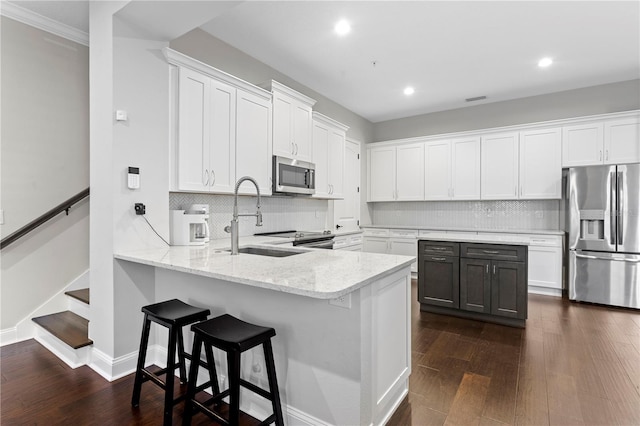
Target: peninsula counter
x,y
342,348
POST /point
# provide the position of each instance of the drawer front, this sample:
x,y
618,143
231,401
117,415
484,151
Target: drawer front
x,y
545,240
404,233
493,251
339,242
376,232
355,239
435,248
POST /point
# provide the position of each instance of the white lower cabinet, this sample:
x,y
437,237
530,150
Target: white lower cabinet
x,y
545,264
403,242
351,242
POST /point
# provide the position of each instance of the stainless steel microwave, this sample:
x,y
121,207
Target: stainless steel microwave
x,y
293,176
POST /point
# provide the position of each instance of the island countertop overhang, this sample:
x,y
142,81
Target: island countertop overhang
x,y
316,273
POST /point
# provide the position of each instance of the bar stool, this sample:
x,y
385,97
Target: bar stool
x,y
234,337
173,314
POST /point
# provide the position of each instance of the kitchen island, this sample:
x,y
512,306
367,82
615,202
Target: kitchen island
x,y
342,319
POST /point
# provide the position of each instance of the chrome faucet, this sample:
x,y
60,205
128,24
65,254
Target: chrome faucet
x,y
233,228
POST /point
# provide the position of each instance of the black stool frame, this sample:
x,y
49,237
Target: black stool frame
x,y
175,339
233,364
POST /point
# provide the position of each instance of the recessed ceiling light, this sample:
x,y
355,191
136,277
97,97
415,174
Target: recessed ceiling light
x,y
545,62
342,27
409,91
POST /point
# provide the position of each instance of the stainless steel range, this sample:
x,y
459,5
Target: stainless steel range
x,y
311,239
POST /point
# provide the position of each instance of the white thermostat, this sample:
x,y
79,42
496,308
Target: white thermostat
x,y
133,178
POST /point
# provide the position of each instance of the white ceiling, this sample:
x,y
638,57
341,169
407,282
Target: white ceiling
x,y
447,50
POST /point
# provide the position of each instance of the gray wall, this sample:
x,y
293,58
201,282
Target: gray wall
x,y
45,160
607,98
202,46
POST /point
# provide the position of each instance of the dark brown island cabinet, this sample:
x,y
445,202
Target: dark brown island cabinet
x,y
486,282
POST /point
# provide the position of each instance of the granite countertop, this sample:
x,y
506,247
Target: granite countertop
x,y
484,230
316,273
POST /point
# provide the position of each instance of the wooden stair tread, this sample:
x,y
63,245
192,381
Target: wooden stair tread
x,y
68,327
82,295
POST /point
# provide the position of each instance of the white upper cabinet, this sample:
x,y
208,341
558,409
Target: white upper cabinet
x,y
540,164
622,141
206,134
253,141
465,168
452,169
328,156
292,123
602,142
582,145
223,129
410,172
396,173
499,167
381,172
437,170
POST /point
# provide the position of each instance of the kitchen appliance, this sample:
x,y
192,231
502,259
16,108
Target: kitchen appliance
x,y
604,234
202,209
293,176
312,239
187,229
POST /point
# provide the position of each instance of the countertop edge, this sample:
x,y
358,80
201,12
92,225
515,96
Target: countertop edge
x,y
482,230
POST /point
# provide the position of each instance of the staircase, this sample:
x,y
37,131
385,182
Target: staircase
x,y
66,333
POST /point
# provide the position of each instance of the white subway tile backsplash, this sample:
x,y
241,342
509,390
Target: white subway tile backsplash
x,y
516,214
278,213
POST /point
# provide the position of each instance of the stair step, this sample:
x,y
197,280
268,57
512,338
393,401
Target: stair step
x,y
82,295
68,327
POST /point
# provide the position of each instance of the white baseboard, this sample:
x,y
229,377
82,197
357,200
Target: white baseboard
x,y
74,358
116,368
8,336
546,291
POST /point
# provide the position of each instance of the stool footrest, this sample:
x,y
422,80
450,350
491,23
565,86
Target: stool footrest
x,y
263,393
202,407
148,375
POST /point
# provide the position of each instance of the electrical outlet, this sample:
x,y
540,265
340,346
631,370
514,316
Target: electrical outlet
x,y
342,301
140,208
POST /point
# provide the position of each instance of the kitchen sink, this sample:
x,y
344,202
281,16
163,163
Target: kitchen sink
x,y
268,251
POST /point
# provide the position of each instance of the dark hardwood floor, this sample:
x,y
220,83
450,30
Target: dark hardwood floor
x,y
574,364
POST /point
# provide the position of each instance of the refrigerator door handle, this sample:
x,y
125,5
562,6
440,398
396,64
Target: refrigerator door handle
x,y
620,206
612,207
613,259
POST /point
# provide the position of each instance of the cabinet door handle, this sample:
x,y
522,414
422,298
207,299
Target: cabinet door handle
x,y
296,148
606,155
494,269
491,251
439,248
515,190
205,177
440,259
487,268
600,155
213,177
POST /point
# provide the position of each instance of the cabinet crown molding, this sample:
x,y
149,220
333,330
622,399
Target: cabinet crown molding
x,y
181,60
540,125
279,87
329,121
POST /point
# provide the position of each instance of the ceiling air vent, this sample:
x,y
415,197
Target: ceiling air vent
x,y
477,98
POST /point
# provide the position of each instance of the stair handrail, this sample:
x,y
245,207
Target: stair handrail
x,y
62,207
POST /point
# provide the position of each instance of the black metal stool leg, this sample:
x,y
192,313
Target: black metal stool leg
x,y
273,382
169,377
181,357
142,355
233,362
193,377
213,375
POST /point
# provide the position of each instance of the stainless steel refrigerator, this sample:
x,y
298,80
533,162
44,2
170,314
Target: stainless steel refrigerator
x,y
604,234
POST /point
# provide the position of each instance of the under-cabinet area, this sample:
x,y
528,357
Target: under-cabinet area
x,y
479,281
